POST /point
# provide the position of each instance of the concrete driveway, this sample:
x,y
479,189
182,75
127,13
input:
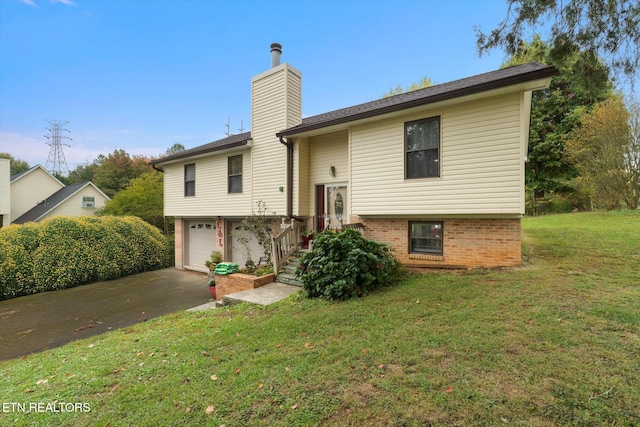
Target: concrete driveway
x,y
47,320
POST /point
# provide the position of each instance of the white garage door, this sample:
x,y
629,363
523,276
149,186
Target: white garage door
x,y
201,241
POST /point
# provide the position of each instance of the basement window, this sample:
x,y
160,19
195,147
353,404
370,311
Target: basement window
x,y
425,238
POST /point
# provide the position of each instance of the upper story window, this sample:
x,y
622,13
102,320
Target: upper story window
x,y
88,202
235,174
422,148
190,180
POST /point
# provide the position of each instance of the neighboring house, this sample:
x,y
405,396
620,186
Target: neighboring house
x,y
437,173
35,195
5,192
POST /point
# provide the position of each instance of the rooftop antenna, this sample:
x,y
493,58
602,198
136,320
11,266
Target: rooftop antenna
x,y
228,125
241,127
56,163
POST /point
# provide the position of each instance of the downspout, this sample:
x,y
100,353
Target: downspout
x,y
289,146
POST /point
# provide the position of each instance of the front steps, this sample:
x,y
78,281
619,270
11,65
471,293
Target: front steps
x,y
288,272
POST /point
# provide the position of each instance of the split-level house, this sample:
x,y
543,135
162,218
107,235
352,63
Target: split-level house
x,y
436,173
35,195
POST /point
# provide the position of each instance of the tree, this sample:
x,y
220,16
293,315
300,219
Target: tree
x,y
114,171
15,165
143,198
83,173
420,84
605,29
606,151
555,112
174,149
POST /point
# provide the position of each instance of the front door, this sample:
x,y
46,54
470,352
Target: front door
x,y
335,200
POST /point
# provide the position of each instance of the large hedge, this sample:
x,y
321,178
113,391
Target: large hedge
x,y
63,252
346,265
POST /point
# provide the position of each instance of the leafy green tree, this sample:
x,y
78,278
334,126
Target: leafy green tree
x,y
83,173
16,165
143,198
174,149
607,153
113,172
555,112
595,28
420,84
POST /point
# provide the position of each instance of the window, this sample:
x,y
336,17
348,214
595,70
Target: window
x,y
422,148
190,180
235,174
425,238
88,202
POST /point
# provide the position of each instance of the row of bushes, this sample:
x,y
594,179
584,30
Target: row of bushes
x,y
346,265
64,252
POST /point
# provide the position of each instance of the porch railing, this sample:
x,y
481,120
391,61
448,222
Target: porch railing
x,y
358,226
286,244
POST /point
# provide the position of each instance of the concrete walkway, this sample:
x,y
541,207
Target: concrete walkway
x,y
264,295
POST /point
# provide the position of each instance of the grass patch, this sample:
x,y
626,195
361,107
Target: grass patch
x,y
555,342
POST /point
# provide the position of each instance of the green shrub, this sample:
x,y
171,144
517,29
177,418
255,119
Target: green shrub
x,y
62,252
346,265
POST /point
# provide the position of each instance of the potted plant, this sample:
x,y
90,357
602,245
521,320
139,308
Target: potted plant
x,y
307,236
211,263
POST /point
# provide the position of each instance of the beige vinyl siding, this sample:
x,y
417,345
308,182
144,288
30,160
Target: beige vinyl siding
x,y
274,108
481,163
325,151
302,197
73,205
212,197
5,192
30,189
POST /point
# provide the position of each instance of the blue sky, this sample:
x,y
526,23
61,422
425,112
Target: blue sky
x,y
143,75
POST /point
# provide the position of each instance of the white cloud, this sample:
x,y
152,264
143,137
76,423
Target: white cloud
x,y
29,2
67,2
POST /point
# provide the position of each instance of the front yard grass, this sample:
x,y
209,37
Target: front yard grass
x,y
555,342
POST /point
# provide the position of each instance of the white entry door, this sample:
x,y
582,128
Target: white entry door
x,y
336,206
201,241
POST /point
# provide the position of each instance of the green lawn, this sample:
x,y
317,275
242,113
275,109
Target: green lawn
x,y
555,342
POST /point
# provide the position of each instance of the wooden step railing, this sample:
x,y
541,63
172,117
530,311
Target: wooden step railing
x,y
286,244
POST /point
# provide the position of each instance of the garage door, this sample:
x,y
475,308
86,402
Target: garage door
x,y
201,241
238,250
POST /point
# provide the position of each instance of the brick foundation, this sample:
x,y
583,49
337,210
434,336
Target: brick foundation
x,y
238,282
467,242
179,244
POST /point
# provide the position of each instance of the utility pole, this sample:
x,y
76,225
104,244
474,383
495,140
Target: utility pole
x,y
56,155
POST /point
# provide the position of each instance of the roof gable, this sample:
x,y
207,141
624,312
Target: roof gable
x,y
53,201
23,174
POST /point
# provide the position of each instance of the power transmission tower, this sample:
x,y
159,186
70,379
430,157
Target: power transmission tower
x,y
56,155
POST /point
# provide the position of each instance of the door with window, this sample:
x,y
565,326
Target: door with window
x,y
331,206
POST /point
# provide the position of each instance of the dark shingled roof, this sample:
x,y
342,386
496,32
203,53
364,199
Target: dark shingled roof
x,y
19,174
222,144
467,86
48,204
